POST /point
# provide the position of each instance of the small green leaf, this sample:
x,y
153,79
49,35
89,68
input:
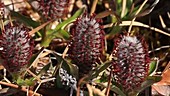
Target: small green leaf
x,y
44,69
102,67
26,82
71,19
117,90
114,30
99,69
113,88
153,66
30,82
66,65
20,81
59,30
26,20
58,82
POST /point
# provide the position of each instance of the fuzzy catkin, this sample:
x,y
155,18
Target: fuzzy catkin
x,y
130,66
87,45
16,47
52,9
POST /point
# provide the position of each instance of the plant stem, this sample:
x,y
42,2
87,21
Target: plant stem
x,y
109,83
19,87
140,8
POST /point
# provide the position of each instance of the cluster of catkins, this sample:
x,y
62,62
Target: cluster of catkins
x,y
130,67
130,63
16,43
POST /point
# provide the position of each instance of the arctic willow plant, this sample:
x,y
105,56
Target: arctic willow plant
x,y
87,43
131,61
17,47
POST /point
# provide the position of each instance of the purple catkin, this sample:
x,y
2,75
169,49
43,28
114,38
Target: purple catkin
x,y
87,43
130,68
16,47
52,9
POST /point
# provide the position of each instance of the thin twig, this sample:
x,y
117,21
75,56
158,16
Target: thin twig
x,y
35,91
42,81
109,83
10,20
162,47
65,52
168,15
2,25
19,87
39,27
39,80
135,23
5,76
78,90
126,23
162,21
79,85
123,8
140,8
93,7
89,90
94,90
37,58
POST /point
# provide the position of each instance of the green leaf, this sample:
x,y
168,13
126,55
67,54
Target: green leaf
x,y
114,30
113,88
30,81
66,65
59,33
26,82
58,82
153,66
98,70
129,4
117,90
149,81
20,81
44,69
26,20
60,28
101,68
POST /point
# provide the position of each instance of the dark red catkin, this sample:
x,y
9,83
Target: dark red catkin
x,y
52,9
131,61
87,43
16,47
